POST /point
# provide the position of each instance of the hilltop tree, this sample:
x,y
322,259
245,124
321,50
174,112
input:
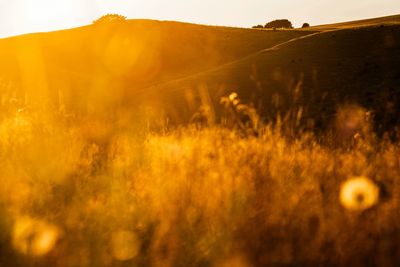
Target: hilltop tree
x,y
305,25
279,23
109,18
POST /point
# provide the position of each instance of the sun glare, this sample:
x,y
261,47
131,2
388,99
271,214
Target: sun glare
x,y
46,15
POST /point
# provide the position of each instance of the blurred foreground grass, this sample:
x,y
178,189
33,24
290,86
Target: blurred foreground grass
x,y
90,193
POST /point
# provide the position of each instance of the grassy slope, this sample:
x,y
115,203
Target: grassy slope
x,y
90,60
352,65
395,19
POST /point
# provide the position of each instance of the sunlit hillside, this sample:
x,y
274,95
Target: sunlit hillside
x,y
149,143
125,56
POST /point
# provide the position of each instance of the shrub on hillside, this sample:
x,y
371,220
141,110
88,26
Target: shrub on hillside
x,y
305,25
259,26
279,23
109,18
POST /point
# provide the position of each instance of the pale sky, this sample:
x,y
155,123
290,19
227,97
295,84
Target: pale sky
x,y
24,16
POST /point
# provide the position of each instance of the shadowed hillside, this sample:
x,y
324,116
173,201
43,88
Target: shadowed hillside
x,y
328,68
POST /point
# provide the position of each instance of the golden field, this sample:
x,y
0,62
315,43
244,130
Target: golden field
x,y
83,194
122,145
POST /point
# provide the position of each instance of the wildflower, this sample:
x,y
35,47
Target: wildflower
x,y
359,194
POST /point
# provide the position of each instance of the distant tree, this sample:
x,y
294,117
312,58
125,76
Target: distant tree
x,y
279,23
305,25
259,26
109,18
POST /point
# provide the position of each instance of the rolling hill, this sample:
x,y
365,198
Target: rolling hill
x,y
170,66
105,61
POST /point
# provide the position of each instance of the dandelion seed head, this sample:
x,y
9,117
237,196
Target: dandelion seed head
x,y
359,194
44,241
34,237
125,245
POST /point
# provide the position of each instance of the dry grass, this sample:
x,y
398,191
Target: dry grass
x,y
78,195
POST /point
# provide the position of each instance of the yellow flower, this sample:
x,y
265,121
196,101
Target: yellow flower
x,y
359,193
